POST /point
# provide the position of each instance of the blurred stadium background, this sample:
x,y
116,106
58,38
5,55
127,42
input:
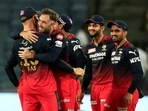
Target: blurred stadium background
x,y
134,12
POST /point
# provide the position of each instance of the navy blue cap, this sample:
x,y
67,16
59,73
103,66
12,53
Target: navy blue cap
x,y
66,21
26,13
95,19
118,23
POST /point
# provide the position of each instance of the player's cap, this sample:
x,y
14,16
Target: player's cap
x,y
95,19
118,23
66,21
26,13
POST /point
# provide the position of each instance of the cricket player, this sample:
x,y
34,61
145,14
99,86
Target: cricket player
x,y
37,85
127,69
37,82
68,85
98,71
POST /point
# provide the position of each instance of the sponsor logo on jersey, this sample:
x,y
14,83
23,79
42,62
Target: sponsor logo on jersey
x,y
29,47
58,43
24,42
115,59
100,54
48,39
135,59
91,50
59,37
76,47
74,41
66,100
132,52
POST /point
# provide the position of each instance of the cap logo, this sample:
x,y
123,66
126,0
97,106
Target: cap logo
x,y
22,12
70,21
61,21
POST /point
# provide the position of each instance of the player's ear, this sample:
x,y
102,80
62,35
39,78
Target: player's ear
x,y
125,32
61,26
36,18
102,27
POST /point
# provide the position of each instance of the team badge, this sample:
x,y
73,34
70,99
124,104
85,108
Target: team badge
x,y
58,43
59,36
104,47
22,12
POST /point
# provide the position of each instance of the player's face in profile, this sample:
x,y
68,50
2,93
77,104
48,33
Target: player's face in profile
x,y
56,26
94,29
117,34
45,24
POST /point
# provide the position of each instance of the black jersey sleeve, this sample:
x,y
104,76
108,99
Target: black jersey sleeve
x,y
88,74
76,55
55,49
63,65
15,34
9,68
136,68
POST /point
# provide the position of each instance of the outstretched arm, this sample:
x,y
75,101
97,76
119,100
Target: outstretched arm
x,y
27,35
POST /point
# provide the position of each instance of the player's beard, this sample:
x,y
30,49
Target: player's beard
x,y
95,35
46,31
43,30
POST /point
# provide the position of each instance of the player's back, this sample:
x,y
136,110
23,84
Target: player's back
x,y
37,75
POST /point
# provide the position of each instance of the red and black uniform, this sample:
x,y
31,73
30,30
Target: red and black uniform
x,y
98,72
37,84
128,74
68,84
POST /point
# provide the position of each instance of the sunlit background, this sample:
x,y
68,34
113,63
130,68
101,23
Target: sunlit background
x,y
133,12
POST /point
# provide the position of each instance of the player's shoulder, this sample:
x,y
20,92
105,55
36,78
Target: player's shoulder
x,y
57,35
71,36
107,39
41,34
129,46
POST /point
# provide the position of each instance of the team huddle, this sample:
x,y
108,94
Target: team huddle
x,y
51,60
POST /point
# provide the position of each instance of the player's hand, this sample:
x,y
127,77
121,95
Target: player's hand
x,y
80,96
24,53
29,36
78,71
127,99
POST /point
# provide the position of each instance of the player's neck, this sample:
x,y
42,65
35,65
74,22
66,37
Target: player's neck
x,y
118,45
28,26
98,39
66,34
